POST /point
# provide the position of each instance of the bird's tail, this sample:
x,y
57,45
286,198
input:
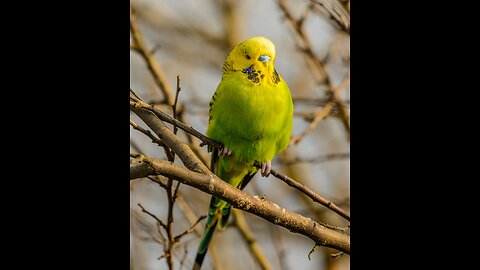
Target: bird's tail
x,y
218,215
202,248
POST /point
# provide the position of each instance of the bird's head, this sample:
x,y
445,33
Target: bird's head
x,y
257,53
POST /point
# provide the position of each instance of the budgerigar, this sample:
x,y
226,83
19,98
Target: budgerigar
x,y
251,115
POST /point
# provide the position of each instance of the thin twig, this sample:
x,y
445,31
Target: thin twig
x,y
321,74
307,191
168,251
174,106
189,230
170,193
153,66
191,217
182,261
335,12
160,78
337,228
312,250
157,180
167,118
155,231
176,191
175,128
322,113
153,216
318,159
336,255
153,138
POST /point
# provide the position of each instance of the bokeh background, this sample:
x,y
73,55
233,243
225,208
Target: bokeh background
x,y
191,39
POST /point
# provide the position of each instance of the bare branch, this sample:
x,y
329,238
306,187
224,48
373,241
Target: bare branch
x,y
174,106
153,216
322,113
167,118
138,170
317,159
335,12
157,180
317,67
211,184
304,189
189,230
153,66
312,250
167,136
152,137
336,255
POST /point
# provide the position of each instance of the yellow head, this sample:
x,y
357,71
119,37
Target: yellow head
x,y
255,55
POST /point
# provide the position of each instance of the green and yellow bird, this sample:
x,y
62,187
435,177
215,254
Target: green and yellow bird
x,y
251,114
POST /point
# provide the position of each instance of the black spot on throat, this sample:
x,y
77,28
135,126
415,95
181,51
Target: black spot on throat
x,y
276,77
252,75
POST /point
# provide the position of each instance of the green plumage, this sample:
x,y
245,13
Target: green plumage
x,y
250,113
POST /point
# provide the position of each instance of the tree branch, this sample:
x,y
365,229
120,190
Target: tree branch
x,y
155,69
189,230
310,193
137,103
166,135
153,138
211,184
321,75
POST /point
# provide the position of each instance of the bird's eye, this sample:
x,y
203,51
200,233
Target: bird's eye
x,y
264,58
248,57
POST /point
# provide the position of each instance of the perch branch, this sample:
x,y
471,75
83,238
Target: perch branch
x,y
211,184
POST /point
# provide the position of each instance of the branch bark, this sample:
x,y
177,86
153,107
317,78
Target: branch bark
x,y
166,135
305,190
211,184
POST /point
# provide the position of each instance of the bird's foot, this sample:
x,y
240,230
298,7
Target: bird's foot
x,y
225,152
266,167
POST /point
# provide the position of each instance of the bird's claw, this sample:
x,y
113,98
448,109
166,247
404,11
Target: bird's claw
x,y
266,168
225,152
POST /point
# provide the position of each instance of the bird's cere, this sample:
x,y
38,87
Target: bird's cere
x,y
264,58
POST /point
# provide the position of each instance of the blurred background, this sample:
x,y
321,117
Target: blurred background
x,y
191,39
